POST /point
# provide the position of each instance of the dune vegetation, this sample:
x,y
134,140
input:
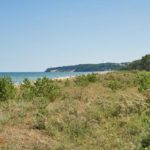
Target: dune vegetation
x,y
93,112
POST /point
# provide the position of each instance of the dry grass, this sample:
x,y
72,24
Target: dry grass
x,y
91,117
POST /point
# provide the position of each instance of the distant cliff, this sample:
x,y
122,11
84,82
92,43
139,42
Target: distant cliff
x,y
88,67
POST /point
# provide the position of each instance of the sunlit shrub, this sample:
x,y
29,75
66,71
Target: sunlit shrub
x,y
81,81
143,81
118,80
41,113
84,80
145,143
7,89
114,85
67,82
27,90
92,77
46,88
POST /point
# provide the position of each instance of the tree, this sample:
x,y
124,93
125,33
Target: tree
x,y
145,63
7,89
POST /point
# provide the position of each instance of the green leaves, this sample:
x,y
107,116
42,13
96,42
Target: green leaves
x,y
114,85
27,90
84,80
145,143
143,80
142,64
145,63
7,89
46,88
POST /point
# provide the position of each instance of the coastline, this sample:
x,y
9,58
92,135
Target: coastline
x,y
60,78
70,77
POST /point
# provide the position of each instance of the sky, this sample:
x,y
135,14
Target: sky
x,y
37,34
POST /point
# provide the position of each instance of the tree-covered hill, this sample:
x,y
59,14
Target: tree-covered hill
x,y
88,67
142,64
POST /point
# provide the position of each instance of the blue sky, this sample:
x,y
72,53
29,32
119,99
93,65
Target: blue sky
x,y
36,34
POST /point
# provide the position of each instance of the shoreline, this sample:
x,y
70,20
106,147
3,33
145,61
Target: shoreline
x,y
65,77
70,77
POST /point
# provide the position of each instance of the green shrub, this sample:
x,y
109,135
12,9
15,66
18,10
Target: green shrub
x,y
46,88
7,89
67,83
114,85
118,80
81,81
143,81
27,90
41,113
84,80
145,143
92,77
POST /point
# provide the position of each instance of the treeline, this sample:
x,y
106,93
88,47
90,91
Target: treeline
x,y
88,67
142,64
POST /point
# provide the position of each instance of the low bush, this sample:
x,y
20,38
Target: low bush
x,y
46,88
67,83
7,89
91,77
114,85
27,90
118,80
40,113
84,80
143,81
146,142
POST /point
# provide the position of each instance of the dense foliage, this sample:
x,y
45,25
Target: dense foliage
x,y
84,80
7,89
143,80
142,64
42,87
88,67
46,88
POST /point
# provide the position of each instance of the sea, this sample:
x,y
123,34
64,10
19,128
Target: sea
x,y
18,77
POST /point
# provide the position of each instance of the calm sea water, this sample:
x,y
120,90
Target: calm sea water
x,y
18,77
